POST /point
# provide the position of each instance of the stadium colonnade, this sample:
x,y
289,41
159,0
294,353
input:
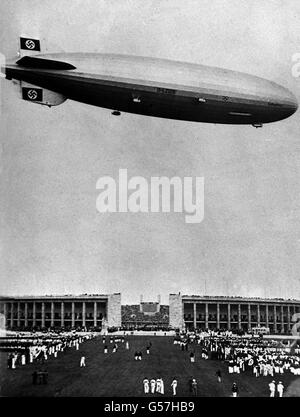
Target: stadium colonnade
x,y
232,313
67,312
183,312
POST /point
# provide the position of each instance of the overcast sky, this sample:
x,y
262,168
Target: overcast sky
x,y
53,239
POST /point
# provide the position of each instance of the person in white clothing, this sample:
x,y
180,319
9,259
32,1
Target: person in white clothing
x,y
152,385
280,389
82,361
158,385
162,386
272,387
13,362
174,385
146,385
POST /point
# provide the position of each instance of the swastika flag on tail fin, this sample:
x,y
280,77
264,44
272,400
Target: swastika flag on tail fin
x,y
30,44
32,94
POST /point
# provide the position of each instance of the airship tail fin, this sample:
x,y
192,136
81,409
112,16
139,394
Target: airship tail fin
x,y
38,95
29,46
30,92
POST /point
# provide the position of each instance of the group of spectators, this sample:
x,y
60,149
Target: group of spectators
x,y
260,357
154,386
32,347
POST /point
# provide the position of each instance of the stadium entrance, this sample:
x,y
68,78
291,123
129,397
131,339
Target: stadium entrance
x,y
148,316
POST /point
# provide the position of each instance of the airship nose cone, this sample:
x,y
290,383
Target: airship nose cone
x,y
292,102
287,98
289,104
282,102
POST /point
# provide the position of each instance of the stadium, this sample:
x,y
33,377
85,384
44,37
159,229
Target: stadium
x,y
189,312
92,345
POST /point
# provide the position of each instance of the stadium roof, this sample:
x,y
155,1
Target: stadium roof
x,y
236,298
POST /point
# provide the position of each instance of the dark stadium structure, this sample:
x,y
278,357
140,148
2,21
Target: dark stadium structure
x,y
232,313
101,312
90,312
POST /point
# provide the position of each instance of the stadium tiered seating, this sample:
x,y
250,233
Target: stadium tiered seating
x,y
132,317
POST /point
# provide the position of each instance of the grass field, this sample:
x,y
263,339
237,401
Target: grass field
x,y
119,375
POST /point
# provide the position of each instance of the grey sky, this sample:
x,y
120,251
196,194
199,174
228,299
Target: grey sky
x,y
54,240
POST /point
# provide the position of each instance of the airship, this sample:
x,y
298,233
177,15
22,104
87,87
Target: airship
x,y
148,86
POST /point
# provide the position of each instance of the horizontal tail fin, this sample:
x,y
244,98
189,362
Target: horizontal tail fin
x,y
44,63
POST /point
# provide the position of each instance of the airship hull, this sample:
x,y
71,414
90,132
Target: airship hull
x,y
176,91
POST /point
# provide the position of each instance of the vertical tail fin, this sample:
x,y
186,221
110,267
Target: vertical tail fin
x,y
29,46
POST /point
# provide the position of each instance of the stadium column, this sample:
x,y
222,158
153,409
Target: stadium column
x,y
62,314
289,318
267,315
52,314
282,319
206,315
33,314
26,314
73,314
275,319
12,315
228,316
5,314
258,314
195,315
18,314
43,315
95,313
249,317
239,317
218,315
83,313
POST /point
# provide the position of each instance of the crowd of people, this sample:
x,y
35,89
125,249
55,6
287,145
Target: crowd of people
x,y
34,347
153,386
258,356
253,355
261,357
